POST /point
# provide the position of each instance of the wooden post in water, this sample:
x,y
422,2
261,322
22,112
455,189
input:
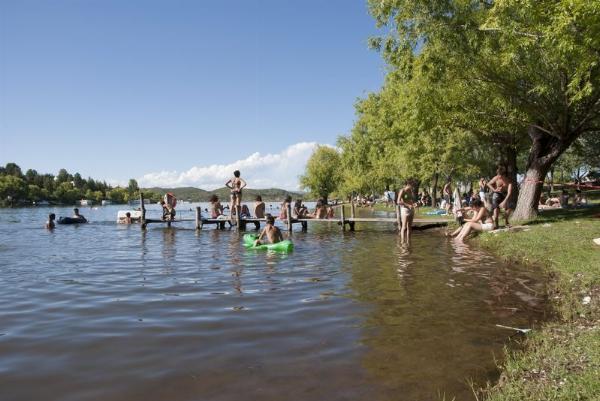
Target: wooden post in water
x,y
343,218
143,208
398,219
289,216
352,212
238,219
198,218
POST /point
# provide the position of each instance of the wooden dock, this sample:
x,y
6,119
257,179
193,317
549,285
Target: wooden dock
x,y
345,222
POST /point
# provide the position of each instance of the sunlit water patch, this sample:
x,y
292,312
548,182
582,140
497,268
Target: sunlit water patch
x,y
102,311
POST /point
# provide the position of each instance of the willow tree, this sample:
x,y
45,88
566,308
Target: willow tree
x,y
323,174
401,133
537,59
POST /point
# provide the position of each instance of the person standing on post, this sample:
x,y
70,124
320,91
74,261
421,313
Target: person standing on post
x,y
235,184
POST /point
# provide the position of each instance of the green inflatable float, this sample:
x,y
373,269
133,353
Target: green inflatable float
x,y
283,246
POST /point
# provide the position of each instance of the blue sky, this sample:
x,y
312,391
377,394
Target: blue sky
x,y
172,91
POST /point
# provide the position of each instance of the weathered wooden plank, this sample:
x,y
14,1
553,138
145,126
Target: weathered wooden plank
x,y
372,220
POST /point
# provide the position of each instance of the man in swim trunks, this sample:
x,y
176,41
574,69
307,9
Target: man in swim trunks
x,y
236,184
273,233
502,189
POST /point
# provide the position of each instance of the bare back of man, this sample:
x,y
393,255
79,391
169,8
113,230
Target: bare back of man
x,y
259,209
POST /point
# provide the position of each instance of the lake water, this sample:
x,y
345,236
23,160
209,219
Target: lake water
x,y
107,312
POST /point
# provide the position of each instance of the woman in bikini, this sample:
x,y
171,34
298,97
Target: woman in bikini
x,y
407,211
236,184
480,222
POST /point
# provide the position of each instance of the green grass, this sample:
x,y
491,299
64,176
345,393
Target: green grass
x,y
561,361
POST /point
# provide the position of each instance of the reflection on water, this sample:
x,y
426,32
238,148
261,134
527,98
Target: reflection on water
x,y
109,312
435,304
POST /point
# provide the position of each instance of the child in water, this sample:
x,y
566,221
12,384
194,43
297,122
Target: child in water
x,y
273,233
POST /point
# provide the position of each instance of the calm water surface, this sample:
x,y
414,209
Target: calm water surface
x,y
107,312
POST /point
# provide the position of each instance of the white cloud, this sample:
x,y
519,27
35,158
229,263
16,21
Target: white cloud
x,y
279,170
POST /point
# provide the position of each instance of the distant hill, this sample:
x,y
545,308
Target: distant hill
x,y
192,194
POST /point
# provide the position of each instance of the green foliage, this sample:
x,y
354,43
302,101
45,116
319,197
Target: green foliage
x,y
132,187
472,84
63,176
65,192
12,189
17,188
118,195
322,176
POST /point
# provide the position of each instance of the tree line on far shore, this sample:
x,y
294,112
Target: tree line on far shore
x,y
472,85
18,188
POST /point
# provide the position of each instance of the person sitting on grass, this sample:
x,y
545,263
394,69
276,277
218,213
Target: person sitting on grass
x,y
50,223
272,233
482,221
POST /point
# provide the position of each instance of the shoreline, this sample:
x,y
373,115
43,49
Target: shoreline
x,y
561,359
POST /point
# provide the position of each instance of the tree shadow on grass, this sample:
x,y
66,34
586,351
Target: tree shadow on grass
x,y
556,215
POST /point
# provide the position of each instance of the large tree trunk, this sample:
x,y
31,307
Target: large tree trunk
x,y
436,176
545,149
510,154
416,186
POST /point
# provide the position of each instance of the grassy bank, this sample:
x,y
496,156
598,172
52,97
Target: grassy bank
x,y
561,361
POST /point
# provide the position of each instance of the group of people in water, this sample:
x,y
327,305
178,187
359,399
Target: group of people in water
x,y
299,211
478,212
76,218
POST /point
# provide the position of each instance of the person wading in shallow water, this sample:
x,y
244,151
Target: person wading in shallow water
x,y
407,211
502,189
50,223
